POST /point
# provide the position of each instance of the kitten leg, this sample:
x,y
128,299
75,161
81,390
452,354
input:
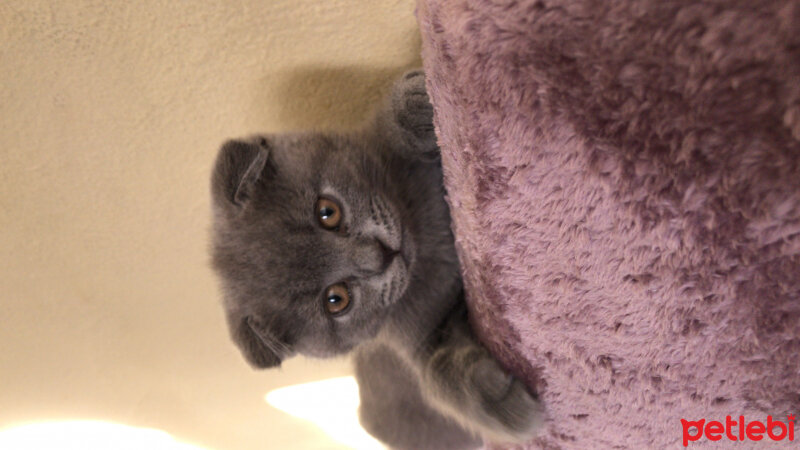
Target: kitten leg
x,y
412,115
468,383
392,408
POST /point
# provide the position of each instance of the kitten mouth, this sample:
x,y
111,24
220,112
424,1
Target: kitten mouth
x,y
404,257
406,248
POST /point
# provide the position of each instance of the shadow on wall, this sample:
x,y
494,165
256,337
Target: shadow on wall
x,y
326,98
316,97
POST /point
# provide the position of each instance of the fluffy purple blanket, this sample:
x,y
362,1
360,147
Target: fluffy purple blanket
x,y
624,179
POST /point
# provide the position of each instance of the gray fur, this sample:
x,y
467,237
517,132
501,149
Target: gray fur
x,y
425,381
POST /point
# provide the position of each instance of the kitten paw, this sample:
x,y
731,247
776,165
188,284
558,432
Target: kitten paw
x,y
413,110
509,412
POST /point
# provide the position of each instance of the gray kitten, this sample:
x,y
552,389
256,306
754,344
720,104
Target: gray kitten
x,y
328,244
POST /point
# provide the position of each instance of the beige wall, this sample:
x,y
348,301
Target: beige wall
x,y
111,114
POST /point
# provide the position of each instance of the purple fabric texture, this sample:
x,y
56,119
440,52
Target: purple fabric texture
x,y
624,180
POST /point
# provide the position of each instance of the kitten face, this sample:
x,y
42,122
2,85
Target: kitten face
x,y
310,244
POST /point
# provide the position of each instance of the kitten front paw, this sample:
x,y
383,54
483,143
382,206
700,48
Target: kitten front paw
x,y
482,396
413,111
509,412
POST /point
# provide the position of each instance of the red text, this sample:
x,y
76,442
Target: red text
x,y
738,430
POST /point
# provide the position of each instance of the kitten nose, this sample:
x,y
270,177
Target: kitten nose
x,y
388,254
373,256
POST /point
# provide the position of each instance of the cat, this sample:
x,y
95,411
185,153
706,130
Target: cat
x,y
335,243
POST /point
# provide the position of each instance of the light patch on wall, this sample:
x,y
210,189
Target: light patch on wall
x,y
87,435
331,405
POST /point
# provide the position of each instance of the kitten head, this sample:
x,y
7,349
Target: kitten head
x,y
310,244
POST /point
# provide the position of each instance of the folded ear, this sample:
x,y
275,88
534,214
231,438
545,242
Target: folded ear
x,y
239,166
258,346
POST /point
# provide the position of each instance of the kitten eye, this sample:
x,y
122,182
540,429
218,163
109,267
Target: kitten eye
x,y
329,213
337,298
